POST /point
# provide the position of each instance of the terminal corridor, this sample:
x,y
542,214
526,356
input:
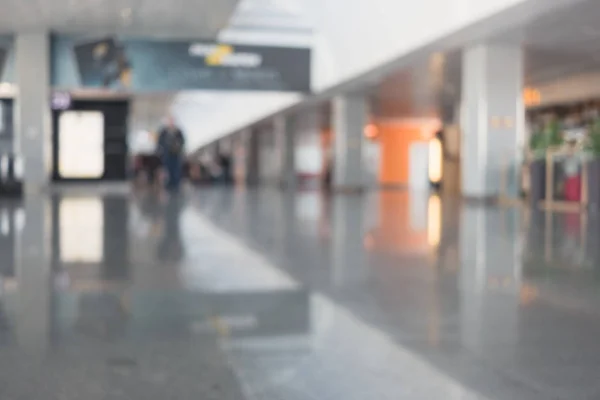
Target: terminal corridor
x,y
256,294
299,200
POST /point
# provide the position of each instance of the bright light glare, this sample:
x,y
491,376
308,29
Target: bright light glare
x,y
435,160
434,221
81,144
81,230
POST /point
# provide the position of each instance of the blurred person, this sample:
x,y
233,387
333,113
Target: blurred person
x,y
171,143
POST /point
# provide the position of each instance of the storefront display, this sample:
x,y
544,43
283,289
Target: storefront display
x,y
562,153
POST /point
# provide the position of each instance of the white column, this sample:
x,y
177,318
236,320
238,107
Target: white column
x,y
252,157
350,115
270,143
309,146
33,140
492,119
285,129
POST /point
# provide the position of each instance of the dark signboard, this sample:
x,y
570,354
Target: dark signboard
x,y
150,65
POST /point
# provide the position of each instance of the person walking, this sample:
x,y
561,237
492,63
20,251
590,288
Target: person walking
x,y
171,143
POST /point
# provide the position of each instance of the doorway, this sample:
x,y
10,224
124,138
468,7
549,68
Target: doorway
x,y
90,141
6,126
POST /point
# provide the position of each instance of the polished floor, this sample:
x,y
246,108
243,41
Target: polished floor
x,y
223,293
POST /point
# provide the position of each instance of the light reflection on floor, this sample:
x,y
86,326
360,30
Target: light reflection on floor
x,y
384,295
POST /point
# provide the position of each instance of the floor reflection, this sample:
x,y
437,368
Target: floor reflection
x,y
171,247
304,296
96,278
450,282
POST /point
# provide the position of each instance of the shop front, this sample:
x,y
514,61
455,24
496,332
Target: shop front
x,y
562,170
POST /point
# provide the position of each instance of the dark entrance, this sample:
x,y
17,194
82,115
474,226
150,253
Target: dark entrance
x,y
6,126
115,114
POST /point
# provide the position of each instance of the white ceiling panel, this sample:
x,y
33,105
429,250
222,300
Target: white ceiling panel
x,y
559,45
174,18
271,22
281,15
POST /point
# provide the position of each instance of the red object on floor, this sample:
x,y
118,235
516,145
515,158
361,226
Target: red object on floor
x,y
573,188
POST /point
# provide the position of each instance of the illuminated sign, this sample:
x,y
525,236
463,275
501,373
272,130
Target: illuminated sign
x,y
435,160
224,55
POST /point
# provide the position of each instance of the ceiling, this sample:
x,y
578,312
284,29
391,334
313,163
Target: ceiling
x,y
280,15
270,22
557,46
177,18
560,44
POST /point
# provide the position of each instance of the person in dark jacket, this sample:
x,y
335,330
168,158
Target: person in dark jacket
x,y
171,143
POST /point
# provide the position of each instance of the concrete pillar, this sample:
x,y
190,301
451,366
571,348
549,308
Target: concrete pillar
x,y
252,157
285,129
240,150
269,143
33,139
308,151
350,115
492,120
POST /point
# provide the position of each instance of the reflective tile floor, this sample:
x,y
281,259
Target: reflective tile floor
x,y
256,294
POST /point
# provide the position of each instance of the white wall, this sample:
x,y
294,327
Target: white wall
x,y
355,36
270,148
205,116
